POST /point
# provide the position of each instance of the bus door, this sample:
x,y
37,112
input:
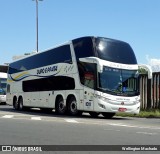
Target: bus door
x,y
89,91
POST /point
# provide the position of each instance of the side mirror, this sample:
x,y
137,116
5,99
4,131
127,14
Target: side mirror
x,y
148,68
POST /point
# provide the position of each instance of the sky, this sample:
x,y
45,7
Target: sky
x,y
136,22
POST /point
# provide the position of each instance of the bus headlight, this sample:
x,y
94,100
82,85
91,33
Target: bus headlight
x,y
136,102
138,99
102,98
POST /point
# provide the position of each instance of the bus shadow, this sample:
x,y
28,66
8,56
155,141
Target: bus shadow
x,y
38,112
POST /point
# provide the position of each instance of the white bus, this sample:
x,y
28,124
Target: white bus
x,y
89,74
3,83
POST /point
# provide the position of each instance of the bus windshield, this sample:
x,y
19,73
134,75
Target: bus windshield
x,y
119,81
115,51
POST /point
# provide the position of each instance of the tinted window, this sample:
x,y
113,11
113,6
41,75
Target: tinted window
x,y
48,84
83,47
119,82
115,51
57,55
87,74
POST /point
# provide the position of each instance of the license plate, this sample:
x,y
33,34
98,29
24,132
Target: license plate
x,y
122,109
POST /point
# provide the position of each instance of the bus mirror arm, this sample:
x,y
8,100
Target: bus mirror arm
x,y
92,60
148,68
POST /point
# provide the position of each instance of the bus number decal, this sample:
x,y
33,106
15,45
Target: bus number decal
x,y
88,103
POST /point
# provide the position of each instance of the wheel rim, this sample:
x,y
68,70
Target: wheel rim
x,y
61,107
73,107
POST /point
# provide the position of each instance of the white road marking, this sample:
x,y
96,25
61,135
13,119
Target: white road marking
x,y
8,116
84,121
71,120
36,118
122,125
146,133
117,130
135,126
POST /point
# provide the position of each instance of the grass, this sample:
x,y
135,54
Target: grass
x,y
152,113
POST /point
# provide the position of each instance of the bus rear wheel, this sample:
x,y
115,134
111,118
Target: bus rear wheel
x,y
108,115
15,103
72,106
20,104
60,107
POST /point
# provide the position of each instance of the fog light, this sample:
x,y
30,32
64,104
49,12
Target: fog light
x,y
102,106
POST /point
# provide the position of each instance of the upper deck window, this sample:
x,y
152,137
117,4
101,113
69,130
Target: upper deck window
x,y
115,51
60,54
83,47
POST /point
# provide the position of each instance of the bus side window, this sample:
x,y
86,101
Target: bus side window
x,y
87,74
89,79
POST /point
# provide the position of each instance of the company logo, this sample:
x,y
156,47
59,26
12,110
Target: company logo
x,y
47,70
122,103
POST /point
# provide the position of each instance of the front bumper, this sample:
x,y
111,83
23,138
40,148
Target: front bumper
x,y
116,107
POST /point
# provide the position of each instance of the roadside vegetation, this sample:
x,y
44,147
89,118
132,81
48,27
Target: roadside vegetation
x,y
151,113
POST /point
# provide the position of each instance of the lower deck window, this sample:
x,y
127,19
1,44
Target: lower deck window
x,y
49,83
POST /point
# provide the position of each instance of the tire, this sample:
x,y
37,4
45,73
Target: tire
x,y
72,107
108,115
94,114
60,107
15,104
20,104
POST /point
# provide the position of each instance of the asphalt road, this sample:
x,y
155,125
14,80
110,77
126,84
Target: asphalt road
x,y
35,127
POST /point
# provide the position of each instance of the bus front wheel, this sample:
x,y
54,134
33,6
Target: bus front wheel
x,y
94,114
108,115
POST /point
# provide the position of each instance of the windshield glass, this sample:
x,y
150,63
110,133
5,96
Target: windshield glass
x,y
115,51
119,81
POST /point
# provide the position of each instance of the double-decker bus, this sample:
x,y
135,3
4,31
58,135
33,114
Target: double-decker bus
x,y
3,83
89,74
